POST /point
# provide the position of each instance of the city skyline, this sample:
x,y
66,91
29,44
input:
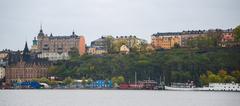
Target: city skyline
x,y
21,20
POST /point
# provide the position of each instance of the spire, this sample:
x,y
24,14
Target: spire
x,y
41,28
26,53
26,47
41,31
73,33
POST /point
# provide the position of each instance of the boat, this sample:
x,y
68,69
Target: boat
x,y
222,87
182,87
210,87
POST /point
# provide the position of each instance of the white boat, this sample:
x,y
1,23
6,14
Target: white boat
x,y
222,87
211,87
180,89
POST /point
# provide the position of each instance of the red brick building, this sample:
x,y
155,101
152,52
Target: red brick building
x,y
26,68
24,71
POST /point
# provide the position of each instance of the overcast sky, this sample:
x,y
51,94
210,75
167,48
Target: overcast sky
x,y
20,19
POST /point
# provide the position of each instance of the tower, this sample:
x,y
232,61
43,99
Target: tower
x,y
34,47
26,53
40,34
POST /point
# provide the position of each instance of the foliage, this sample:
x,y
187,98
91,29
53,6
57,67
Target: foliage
x,y
45,80
178,65
221,77
68,81
236,74
237,33
118,80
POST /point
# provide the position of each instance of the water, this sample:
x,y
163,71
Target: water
x,y
116,98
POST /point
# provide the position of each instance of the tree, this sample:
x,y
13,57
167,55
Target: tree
x,y
236,75
68,81
74,52
223,75
237,33
84,82
52,70
176,45
204,79
118,80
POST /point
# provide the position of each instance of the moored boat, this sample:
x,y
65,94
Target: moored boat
x,y
211,87
181,87
222,87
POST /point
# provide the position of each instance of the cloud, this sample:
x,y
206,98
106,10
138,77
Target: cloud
x,y
20,19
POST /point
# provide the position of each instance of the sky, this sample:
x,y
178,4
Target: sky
x,y
20,20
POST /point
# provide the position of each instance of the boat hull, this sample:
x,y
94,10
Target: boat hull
x,y
181,89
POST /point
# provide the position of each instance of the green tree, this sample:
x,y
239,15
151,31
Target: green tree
x,y
223,75
237,33
204,79
74,52
84,82
236,75
52,70
68,81
118,80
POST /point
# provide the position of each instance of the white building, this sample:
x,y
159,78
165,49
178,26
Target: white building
x,y
54,56
2,73
124,49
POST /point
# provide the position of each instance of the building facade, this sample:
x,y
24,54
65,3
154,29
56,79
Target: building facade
x,y
188,35
101,45
124,49
25,71
4,58
51,45
130,41
52,56
166,40
169,39
23,67
2,73
227,38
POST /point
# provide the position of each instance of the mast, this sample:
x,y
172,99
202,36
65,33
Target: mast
x,y
135,78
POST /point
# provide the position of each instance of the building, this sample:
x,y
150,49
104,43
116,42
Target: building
x,y
34,48
3,54
124,49
4,57
54,56
101,84
170,39
166,40
101,45
227,38
26,68
53,47
2,73
91,50
188,35
26,71
130,41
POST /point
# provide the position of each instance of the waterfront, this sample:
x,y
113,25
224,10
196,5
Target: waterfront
x,y
116,98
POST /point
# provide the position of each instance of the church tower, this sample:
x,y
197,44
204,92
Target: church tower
x,y
26,53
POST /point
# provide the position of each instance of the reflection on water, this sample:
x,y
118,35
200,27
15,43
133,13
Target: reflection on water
x,y
116,98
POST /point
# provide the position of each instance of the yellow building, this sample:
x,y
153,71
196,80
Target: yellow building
x,y
166,40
